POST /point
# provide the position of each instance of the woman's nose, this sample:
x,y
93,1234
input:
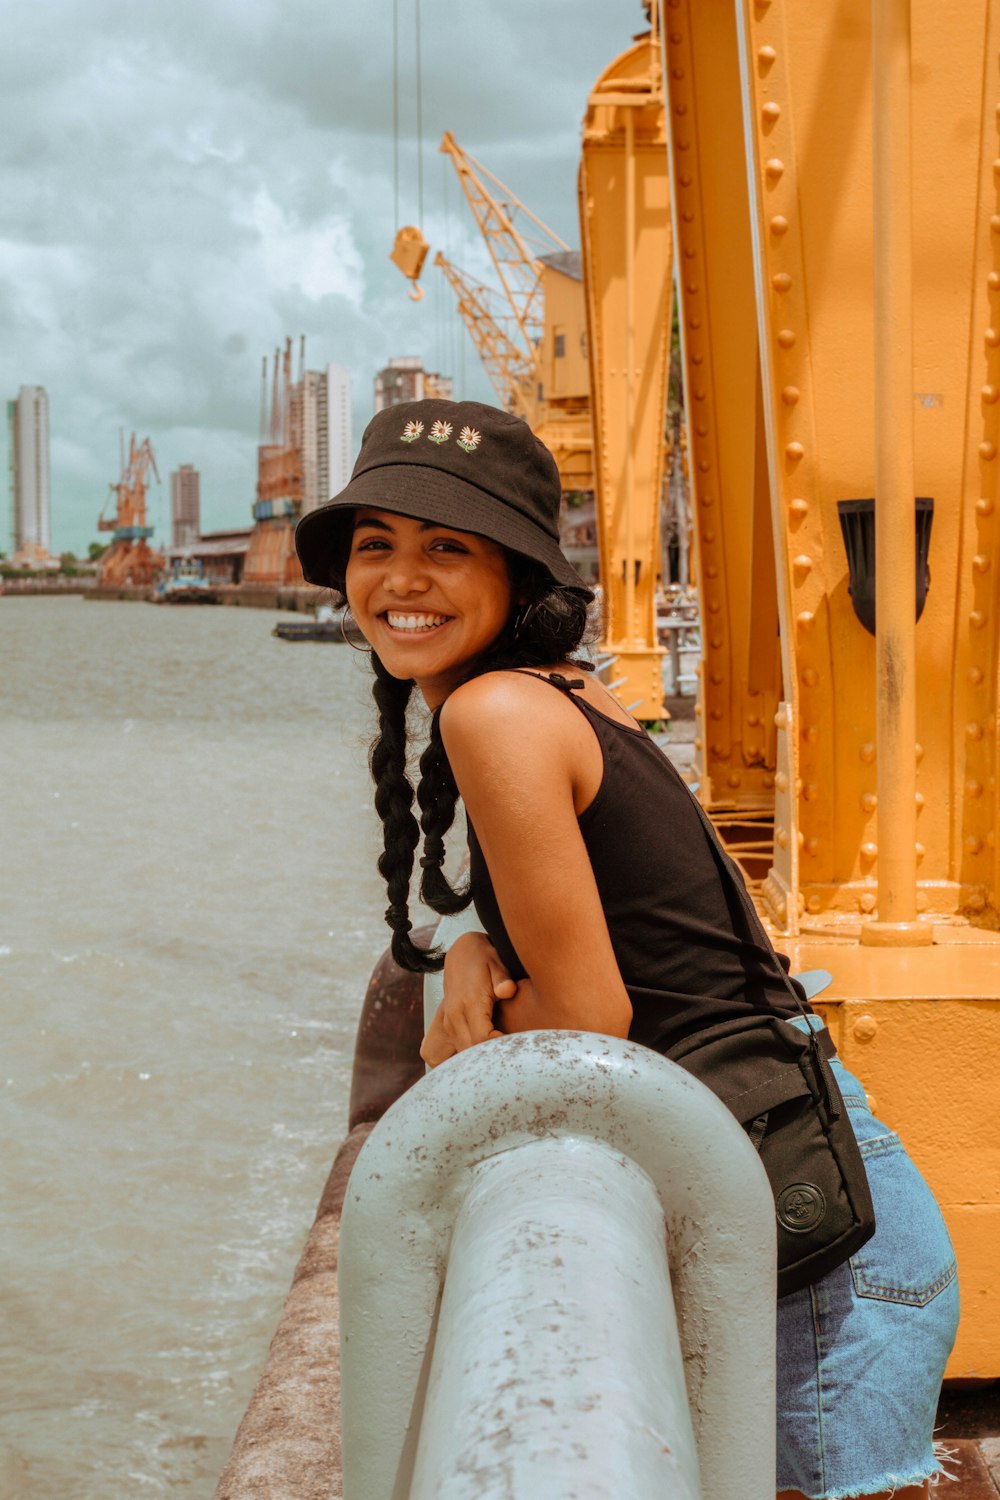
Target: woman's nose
x,y
406,575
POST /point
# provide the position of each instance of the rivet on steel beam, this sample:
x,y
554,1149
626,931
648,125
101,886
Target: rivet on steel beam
x,y
781,838
781,720
810,791
995,223
716,678
991,338
798,509
794,452
718,750
865,1028
786,338
686,180
698,710
810,676
781,781
989,394
975,675
918,752
973,788
770,114
811,734
984,506
705,498
974,730
709,535
866,901
677,72
781,281
691,287
753,720
714,605
993,281
712,571
987,450
779,224
803,564
869,850
790,395
867,752
919,799
687,216
974,845
697,359
996,165
715,713
981,562
704,464
699,742
806,619
766,56
774,168
919,851
798,786
702,428
811,846
700,393
978,618
869,801
716,643
684,145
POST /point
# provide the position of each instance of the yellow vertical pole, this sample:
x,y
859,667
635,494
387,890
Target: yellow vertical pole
x,y
895,571
630,559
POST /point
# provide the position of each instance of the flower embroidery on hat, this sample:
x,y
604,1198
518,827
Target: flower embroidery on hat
x,y
440,432
411,432
469,439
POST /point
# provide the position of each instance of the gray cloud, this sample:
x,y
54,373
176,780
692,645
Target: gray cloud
x,y
184,185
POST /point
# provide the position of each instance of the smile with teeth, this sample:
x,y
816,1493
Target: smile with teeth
x,y
414,624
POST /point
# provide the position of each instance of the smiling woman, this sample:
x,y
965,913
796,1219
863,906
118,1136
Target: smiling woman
x,y
604,902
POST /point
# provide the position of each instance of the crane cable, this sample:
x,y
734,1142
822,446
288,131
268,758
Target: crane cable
x,y
420,126
395,111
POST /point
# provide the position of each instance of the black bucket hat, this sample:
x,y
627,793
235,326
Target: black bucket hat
x,y
459,463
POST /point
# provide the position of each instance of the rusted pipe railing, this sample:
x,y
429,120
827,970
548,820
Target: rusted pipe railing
x,y
895,571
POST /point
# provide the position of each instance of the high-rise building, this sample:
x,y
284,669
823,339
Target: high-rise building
x,y
327,453
28,450
185,506
405,379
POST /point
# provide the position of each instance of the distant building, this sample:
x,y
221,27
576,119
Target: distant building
x,y
28,450
222,554
185,506
405,379
324,397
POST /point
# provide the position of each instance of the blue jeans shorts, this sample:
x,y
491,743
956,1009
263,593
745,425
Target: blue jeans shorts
x,y
861,1354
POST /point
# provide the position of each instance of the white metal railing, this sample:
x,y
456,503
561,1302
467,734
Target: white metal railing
x,y
518,1232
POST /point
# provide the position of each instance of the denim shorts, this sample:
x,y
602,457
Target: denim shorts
x,y
861,1354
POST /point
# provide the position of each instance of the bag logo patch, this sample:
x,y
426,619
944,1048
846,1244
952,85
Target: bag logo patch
x,y
800,1206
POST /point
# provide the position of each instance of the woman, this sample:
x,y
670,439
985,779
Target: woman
x,y
597,887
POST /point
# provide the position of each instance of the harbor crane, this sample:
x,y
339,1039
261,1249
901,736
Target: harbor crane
x,y
130,560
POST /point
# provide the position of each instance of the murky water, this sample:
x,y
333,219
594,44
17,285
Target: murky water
x,y
190,914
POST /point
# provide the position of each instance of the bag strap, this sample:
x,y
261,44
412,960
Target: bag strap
x,y
730,873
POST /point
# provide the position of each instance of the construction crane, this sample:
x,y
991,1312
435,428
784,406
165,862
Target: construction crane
x,y
280,474
512,372
129,560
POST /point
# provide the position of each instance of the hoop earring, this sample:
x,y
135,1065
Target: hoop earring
x,y
366,649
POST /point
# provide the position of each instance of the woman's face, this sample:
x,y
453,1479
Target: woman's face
x,y
428,599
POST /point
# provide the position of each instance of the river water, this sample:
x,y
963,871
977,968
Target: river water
x,y
190,915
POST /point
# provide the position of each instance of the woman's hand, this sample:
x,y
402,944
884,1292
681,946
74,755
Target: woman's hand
x,y
475,978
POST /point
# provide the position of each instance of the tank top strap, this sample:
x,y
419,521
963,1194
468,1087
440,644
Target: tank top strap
x,y
566,685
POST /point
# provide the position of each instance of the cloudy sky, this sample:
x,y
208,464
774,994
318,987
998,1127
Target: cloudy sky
x,y
186,182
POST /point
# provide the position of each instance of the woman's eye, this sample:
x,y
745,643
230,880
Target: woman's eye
x,y
371,544
446,545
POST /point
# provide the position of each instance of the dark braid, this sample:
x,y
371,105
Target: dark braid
x,y
550,627
394,803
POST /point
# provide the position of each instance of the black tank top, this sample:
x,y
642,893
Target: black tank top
x,y
684,943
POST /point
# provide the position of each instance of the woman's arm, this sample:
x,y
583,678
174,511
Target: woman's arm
x,y
519,753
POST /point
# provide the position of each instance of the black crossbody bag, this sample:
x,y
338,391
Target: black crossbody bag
x,y
777,1081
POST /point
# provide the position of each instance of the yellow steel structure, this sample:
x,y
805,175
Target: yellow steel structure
x,y
510,368
835,194
626,245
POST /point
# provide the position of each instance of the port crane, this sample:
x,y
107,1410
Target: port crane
x,y
129,560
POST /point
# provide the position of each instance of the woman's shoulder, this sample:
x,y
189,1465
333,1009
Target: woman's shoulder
x,y
517,705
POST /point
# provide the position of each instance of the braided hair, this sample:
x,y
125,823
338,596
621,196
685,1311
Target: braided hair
x,y
550,627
